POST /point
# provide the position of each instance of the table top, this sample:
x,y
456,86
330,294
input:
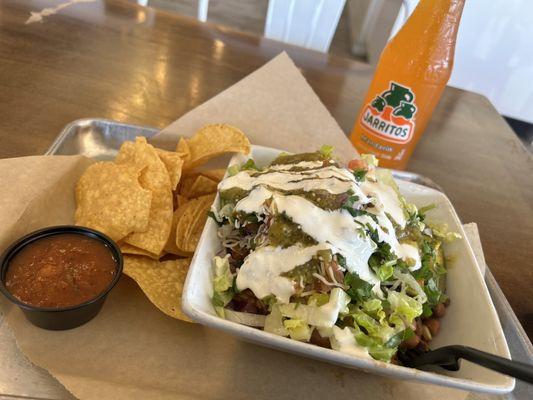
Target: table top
x,y
132,64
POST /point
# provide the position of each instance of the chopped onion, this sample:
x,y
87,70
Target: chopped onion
x,y
243,318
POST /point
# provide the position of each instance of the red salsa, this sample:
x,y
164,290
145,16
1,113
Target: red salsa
x,y
60,270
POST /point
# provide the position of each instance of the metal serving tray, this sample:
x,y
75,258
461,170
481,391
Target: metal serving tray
x,y
100,139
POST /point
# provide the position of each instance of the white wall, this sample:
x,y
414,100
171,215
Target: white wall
x,y
306,23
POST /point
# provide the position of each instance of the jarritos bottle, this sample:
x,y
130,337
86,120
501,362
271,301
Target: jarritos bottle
x,y
411,74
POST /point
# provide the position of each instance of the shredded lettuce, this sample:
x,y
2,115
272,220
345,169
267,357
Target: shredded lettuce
x,y
385,176
385,271
434,294
318,299
326,150
374,308
298,329
423,210
374,346
374,329
382,353
412,284
234,169
441,231
274,322
404,308
220,300
397,339
370,160
320,316
250,164
222,284
223,279
220,311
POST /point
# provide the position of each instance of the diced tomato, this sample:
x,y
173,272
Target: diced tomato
x,y
357,164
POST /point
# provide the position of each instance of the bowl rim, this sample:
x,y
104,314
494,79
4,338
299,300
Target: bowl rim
x,y
34,236
267,339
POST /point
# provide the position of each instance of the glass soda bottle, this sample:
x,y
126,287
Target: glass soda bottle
x,y
412,72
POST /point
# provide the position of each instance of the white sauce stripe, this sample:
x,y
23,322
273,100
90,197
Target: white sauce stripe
x,y
324,172
411,252
387,235
343,340
337,228
253,203
262,269
301,164
332,179
387,200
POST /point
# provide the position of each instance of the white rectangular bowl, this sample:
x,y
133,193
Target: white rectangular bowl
x,y
471,318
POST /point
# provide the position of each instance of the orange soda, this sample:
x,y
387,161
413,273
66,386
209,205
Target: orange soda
x,y
411,74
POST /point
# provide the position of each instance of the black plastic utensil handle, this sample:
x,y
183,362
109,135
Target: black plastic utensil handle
x,y
517,369
448,356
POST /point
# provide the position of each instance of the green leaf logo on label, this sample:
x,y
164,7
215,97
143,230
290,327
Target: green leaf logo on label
x,y
391,114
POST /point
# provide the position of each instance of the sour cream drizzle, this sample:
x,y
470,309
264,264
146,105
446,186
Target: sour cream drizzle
x,y
262,269
301,164
343,340
254,202
332,179
385,200
336,230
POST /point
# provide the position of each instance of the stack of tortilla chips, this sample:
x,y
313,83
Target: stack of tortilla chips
x,y
154,204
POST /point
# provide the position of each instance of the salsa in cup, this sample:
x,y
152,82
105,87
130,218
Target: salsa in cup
x,y
60,276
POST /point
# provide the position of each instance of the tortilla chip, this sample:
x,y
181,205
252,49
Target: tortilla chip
x,y
110,199
183,150
161,282
186,182
200,187
214,140
170,246
173,163
126,248
183,219
196,230
191,218
214,174
181,200
154,177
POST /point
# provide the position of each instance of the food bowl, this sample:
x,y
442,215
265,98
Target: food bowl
x,y
68,317
471,318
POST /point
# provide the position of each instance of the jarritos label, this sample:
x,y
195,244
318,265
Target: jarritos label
x,y
391,115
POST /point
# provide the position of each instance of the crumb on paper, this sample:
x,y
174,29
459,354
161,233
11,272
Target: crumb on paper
x,y
37,16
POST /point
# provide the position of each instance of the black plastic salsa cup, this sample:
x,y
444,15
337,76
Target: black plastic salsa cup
x,y
60,318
